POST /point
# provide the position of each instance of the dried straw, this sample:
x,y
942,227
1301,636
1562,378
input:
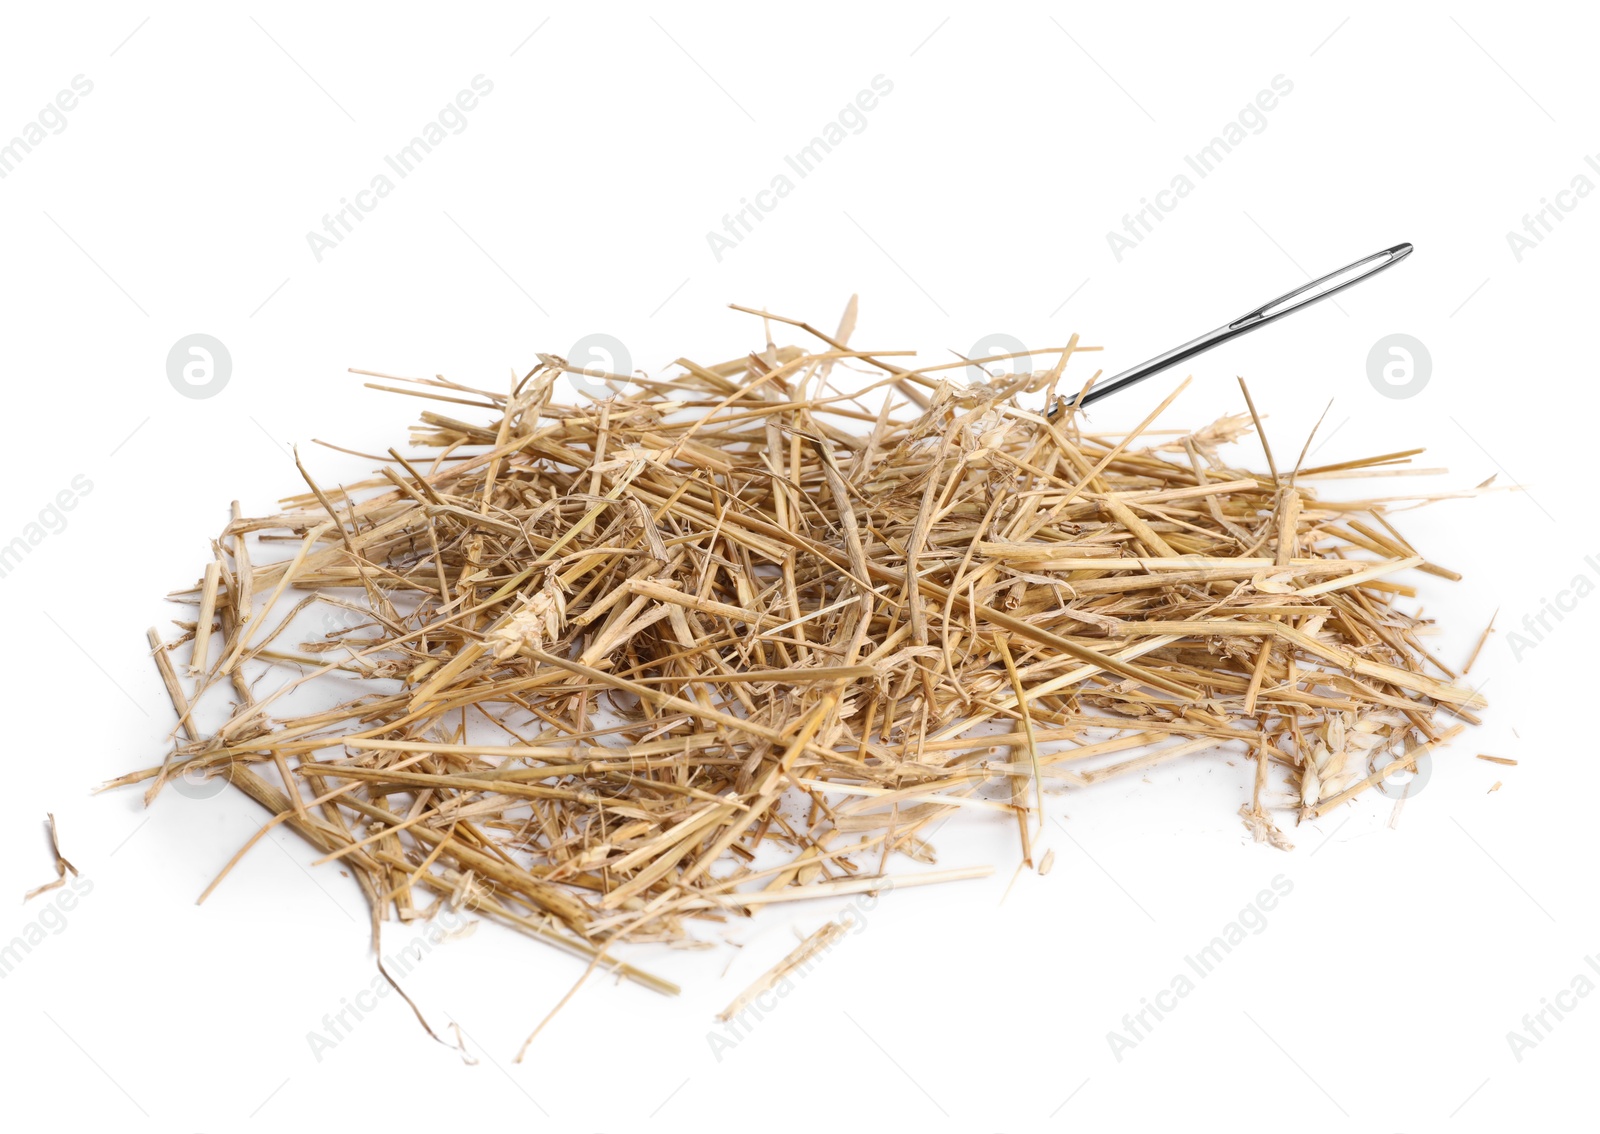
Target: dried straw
x,y
63,867
732,638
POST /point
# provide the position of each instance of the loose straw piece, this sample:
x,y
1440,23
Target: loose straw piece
x,y
63,867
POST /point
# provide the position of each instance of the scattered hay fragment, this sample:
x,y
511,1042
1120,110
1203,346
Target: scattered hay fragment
x,y
63,867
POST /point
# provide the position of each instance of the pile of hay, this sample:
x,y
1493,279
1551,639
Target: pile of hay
x,y
733,637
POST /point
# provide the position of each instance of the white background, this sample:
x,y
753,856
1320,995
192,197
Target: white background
x,y
977,200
